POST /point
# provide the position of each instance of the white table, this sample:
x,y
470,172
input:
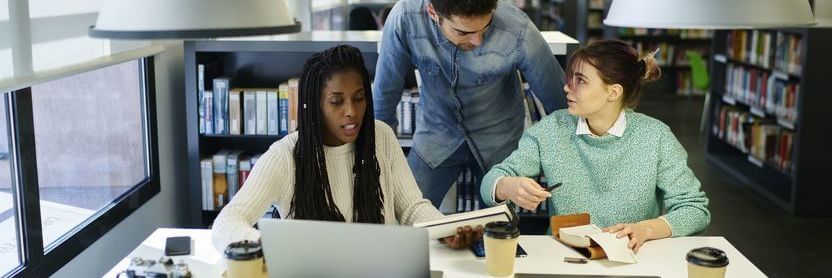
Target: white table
x,y
663,258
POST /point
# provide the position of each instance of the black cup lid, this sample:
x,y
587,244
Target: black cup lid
x,y
501,230
243,250
707,257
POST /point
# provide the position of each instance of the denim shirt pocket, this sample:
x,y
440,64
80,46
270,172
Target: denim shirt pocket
x,y
428,67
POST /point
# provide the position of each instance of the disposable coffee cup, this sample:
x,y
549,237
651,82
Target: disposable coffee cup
x,y
706,262
244,259
500,247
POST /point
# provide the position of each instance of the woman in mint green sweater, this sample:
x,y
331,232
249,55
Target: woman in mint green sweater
x,y
624,168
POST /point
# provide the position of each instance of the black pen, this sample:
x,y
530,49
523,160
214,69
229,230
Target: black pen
x,y
550,188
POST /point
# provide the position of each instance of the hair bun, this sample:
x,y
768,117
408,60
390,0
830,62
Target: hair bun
x,y
649,69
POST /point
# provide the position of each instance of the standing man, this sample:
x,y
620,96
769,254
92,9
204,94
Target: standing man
x,y
471,110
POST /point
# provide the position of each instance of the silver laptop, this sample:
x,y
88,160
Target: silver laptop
x,y
302,248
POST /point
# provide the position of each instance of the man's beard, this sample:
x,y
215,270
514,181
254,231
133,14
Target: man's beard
x,y
466,46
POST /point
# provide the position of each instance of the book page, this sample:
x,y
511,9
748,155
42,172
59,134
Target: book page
x,y
616,248
583,230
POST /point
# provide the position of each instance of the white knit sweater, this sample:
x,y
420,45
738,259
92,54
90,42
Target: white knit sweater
x,y
272,180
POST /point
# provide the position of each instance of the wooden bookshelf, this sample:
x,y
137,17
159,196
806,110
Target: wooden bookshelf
x,y
800,188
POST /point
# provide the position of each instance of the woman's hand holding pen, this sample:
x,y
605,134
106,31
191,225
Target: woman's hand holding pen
x,y
523,191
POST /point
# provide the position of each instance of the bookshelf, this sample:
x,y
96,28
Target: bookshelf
x,y
257,62
766,114
676,71
265,62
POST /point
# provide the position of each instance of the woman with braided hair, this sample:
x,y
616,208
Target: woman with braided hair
x,y
340,165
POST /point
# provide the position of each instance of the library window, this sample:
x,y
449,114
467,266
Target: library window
x,y
9,235
90,143
80,155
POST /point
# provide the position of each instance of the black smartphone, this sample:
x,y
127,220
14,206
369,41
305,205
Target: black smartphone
x,y
479,250
178,245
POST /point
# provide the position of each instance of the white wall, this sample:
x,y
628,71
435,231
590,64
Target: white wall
x,y
164,209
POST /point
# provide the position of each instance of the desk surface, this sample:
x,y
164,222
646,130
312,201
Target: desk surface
x,y
663,258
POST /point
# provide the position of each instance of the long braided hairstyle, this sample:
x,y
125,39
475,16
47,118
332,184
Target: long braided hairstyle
x,y
313,195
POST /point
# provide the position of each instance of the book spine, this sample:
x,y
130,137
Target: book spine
x,y
207,173
200,85
209,112
272,123
234,113
293,104
250,112
231,174
283,99
220,182
221,105
262,113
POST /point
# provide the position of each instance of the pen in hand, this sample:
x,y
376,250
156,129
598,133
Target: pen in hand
x,y
552,187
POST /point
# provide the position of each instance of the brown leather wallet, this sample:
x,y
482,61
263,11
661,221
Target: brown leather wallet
x,y
594,251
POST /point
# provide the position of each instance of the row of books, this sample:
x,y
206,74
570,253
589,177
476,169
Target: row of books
x,y
750,46
762,139
684,85
669,54
222,175
763,90
468,195
683,34
249,111
406,112
755,47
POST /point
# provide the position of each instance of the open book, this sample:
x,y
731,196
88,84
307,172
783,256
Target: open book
x,y
616,249
446,226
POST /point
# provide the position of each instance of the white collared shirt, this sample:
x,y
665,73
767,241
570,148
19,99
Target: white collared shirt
x,y
616,130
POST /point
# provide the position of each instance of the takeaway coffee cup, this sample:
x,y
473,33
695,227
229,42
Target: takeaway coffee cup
x,y
706,262
500,246
244,259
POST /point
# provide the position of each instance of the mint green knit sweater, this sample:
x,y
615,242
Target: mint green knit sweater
x,y
639,176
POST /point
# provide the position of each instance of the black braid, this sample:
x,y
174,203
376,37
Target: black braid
x,y
313,195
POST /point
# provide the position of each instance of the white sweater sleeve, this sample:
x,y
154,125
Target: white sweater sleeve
x,y
410,205
268,179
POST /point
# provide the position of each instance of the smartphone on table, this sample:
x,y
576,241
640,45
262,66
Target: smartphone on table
x,y
479,250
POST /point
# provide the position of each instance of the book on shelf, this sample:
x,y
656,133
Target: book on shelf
x,y
680,33
787,57
762,90
223,174
761,138
207,174
750,46
232,169
220,179
221,87
406,112
283,106
250,112
272,111
235,119
208,100
262,112
245,170
293,104
200,89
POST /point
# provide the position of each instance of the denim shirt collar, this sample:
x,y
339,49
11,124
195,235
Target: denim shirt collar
x,y
441,39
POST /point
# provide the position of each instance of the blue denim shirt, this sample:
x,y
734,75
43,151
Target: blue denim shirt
x,y
465,96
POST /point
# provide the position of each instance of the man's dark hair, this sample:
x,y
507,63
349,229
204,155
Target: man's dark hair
x,y
464,8
313,196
